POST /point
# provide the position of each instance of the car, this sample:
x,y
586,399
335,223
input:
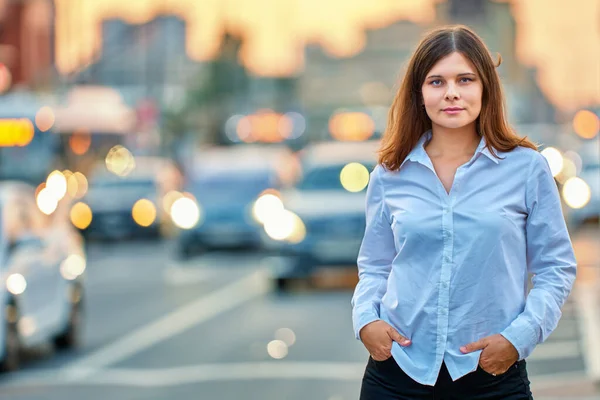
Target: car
x,y
41,277
328,202
225,183
590,213
124,207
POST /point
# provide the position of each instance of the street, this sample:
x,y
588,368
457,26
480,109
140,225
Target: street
x,y
212,328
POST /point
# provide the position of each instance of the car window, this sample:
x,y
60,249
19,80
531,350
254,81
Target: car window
x,y
219,185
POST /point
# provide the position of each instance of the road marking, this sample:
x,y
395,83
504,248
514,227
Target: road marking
x,y
174,323
180,276
589,311
556,350
222,372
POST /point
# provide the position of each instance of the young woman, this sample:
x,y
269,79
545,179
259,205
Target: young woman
x,y
459,211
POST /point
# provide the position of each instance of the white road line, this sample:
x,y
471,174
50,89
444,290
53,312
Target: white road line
x,y
174,323
556,350
344,371
222,372
589,311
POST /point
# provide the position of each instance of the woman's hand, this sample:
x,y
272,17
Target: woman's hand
x,y
378,337
497,355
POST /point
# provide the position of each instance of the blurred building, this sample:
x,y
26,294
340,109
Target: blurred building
x,y
494,22
26,43
143,60
368,81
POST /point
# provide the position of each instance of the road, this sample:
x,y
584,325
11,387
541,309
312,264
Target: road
x,y
212,328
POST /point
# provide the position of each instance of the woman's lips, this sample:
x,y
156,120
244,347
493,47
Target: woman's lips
x,y
453,111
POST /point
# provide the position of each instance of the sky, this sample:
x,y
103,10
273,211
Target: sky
x,y
561,38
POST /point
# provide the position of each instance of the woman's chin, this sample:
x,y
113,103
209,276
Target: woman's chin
x,y
453,124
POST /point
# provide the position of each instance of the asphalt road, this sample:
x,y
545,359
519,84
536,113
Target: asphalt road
x,y
211,328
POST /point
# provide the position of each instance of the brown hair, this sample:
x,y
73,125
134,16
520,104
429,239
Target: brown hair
x,y
407,120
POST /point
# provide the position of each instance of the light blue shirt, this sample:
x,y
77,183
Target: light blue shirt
x,y
446,270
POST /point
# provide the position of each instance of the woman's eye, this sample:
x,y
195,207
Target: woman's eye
x,y
464,80
436,82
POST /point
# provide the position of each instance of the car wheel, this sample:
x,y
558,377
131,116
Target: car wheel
x,y
71,337
12,345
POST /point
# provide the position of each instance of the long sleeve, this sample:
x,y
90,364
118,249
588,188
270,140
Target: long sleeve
x,y
375,257
550,258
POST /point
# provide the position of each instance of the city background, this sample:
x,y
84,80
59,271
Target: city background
x,y
182,186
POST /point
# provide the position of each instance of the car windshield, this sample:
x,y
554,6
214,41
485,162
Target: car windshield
x,y
125,183
325,178
228,184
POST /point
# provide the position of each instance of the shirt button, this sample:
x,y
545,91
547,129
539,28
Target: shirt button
x,y
445,210
447,259
444,285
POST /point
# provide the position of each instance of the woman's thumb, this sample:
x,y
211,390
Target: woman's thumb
x,y
398,338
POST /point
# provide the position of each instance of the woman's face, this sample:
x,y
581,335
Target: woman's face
x,y
452,92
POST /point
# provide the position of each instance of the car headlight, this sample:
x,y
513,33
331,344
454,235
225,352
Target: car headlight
x,y
287,226
185,213
144,212
72,267
16,284
81,215
266,207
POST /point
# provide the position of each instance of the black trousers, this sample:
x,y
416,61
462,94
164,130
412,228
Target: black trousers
x,y
385,380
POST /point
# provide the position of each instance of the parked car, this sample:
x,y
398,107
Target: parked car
x,y
42,268
225,184
330,206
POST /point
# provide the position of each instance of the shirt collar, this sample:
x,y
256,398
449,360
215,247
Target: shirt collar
x,y
418,153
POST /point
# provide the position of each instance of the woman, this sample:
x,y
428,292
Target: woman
x,y
459,211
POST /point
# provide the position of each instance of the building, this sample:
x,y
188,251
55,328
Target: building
x,y
26,43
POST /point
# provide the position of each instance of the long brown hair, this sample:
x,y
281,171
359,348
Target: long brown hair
x,y
407,119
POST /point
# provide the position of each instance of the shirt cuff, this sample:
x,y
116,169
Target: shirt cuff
x,y
523,336
361,319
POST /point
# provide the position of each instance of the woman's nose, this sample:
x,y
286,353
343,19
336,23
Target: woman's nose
x,y
452,93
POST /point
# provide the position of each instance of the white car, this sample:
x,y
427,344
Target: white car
x,y
329,201
42,263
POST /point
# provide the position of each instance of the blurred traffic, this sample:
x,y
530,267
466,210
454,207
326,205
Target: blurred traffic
x,y
146,163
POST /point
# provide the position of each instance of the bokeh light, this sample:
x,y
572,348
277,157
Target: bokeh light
x,y
285,225
286,335
169,199
5,78
120,161
44,119
72,267
576,159
277,349
576,193
554,158
266,206
354,177
81,215
82,185
569,170
46,201
185,213
80,142
16,284
351,126
56,184
586,124
144,212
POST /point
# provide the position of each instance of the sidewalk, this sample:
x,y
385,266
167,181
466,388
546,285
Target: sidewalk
x,y
586,295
